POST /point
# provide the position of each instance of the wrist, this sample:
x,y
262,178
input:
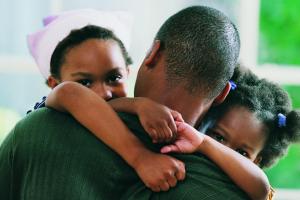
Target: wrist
x,y
138,158
135,156
203,147
139,104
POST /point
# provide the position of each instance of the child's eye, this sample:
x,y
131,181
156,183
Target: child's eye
x,y
219,138
114,78
242,152
216,136
85,82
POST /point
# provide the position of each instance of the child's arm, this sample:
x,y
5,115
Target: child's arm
x,y
157,171
158,120
241,170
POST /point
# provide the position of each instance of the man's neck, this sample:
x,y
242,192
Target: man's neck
x,y
192,108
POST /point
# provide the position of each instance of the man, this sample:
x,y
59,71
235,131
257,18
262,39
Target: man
x,y
187,69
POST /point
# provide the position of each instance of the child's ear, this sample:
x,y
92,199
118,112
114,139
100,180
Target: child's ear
x,y
153,54
222,96
52,82
257,160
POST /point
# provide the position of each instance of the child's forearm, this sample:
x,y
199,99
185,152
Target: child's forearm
x,y
241,170
127,104
55,99
158,172
94,113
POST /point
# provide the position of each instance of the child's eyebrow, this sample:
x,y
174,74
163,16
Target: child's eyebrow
x,y
117,69
246,146
224,132
82,74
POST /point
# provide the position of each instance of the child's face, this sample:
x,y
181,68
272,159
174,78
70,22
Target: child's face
x,y
241,131
98,65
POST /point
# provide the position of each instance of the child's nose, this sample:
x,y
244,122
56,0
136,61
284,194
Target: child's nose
x,y
103,91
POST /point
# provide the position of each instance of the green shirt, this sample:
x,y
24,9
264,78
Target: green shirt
x,y
48,155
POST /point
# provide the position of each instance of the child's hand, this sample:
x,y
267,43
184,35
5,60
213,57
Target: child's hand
x,y
188,140
159,172
158,120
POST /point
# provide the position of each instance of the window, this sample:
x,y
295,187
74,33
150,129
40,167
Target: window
x,y
279,46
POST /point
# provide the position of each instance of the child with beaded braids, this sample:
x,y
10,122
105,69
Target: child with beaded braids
x,y
256,120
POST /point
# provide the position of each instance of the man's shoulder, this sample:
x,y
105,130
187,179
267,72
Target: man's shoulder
x,y
44,123
46,118
45,114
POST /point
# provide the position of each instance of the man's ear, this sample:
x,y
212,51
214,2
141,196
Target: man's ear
x,y
52,82
222,96
153,54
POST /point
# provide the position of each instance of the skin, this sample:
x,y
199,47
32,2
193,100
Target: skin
x,y
238,132
165,171
96,64
99,66
241,131
152,83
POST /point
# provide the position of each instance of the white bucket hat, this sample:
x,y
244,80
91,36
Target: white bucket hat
x,y
42,43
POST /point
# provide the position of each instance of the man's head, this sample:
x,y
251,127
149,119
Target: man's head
x,y
191,61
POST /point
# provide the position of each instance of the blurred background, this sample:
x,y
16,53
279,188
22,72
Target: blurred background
x,y
270,36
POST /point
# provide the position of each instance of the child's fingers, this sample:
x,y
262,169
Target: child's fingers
x,y
164,186
158,134
153,134
169,148
180,126
172,125
177,116
172,135
178,123
168,134
161,134
172,181
180,174
155,188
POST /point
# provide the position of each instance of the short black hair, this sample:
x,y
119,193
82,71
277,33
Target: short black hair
x,y
76,37
201,45
266,100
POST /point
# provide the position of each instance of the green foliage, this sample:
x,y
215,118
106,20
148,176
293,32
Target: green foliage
x,y
286,174
294,92
279,40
